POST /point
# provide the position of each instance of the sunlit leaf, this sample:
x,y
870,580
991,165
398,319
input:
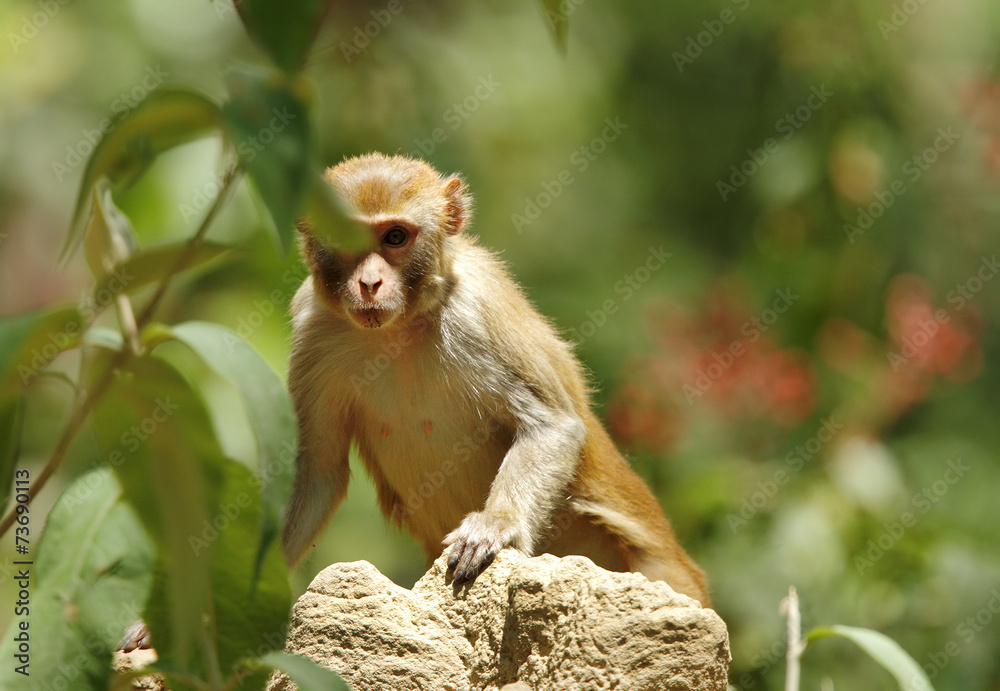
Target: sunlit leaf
x,y
155,432
268,124
29,342
110,238
284,30
148,266
268,407
883,650
307,675
109,339
557,19
165,119
89,581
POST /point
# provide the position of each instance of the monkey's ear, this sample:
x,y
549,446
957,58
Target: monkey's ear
x,y
303,226
457,206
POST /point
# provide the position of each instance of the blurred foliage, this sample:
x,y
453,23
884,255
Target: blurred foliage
x,y
770,228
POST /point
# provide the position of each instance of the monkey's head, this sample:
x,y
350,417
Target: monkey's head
x,y
411,212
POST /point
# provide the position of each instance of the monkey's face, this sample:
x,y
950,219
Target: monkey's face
x,y
370,289
410,211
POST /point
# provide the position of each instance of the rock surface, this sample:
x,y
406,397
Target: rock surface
x,y
552,624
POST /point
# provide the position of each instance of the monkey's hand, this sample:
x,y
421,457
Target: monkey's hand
x,y
476,542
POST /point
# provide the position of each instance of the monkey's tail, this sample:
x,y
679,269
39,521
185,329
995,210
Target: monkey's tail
x,y
615,497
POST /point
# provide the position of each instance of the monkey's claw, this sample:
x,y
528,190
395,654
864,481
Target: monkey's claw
x,y
475,544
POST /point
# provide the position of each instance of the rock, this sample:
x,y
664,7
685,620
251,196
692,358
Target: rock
x,y
137,659
551,624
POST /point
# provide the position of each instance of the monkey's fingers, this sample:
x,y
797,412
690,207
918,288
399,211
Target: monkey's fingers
x,y
475,544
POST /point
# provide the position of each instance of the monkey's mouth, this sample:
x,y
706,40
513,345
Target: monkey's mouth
x,y
372,317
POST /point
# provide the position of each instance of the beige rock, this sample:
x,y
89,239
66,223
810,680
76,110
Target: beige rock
x,y
552,624
138,659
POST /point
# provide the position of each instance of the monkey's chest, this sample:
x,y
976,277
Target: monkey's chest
x,y
432,451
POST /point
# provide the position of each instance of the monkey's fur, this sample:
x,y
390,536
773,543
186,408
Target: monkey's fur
x,y
469,412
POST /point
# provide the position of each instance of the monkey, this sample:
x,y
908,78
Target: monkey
x,y
468,411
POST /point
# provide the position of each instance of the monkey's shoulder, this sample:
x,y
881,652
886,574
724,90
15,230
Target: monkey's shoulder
x,y
491,321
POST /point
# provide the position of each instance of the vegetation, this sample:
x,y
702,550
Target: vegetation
x,y
769,228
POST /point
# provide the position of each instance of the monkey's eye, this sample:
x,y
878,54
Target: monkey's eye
x,y
396,237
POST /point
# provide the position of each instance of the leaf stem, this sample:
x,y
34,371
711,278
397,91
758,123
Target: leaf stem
x,y
790,608
122,357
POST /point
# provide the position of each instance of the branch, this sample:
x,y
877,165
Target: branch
x,y
123,356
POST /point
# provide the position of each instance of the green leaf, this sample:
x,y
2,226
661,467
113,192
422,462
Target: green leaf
x,y
268,407
155,432
110,238
328,219
883,650
165,119
557,19
89,581
251,605
268,124
284,30
148,266
29,342
307,675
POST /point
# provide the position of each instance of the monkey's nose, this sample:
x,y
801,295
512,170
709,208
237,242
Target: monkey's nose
x,y
370,289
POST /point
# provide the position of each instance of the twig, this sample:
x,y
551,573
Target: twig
x,y
790,608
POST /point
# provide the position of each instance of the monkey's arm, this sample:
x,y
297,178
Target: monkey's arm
x,y
322,468
531,480
321,476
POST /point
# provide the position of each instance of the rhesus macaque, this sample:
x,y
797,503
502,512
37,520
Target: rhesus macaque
x,y
469,412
